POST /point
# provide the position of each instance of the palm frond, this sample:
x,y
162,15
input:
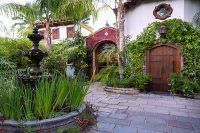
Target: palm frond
x,y
196,20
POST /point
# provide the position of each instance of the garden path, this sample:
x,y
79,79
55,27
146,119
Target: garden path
x,y
143,113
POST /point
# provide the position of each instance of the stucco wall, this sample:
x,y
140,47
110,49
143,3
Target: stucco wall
x,y
63,32
191,7
139,16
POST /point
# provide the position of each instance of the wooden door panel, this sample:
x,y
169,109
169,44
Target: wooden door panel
x,y
162,61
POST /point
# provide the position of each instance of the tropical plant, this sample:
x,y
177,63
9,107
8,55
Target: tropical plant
x,y
109,76
196,20
25,15
3,27
52,96
108,54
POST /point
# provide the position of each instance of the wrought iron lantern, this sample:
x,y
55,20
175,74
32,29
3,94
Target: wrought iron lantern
x,y
163,30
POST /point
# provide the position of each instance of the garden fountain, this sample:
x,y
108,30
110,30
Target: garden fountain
x,y
35,55
40,120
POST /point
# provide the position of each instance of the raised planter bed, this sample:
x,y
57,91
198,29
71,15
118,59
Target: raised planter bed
x,y
129,91
51,125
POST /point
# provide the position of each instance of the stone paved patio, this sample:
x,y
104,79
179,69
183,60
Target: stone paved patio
x,y
143,113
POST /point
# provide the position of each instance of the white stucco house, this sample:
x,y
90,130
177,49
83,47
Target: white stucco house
x,y
60,30
139,13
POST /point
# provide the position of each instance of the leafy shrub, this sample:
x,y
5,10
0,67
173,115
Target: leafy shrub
x,y
68,51
110,77
57,58
139,80
6,66
183,86
12,50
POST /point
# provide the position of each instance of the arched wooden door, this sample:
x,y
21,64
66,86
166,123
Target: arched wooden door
x,y
161,61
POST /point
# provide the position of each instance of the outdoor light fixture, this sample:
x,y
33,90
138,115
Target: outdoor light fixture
x,y
162,30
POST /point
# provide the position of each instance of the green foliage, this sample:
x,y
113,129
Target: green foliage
x,y
68,51
110,77
108,54
10,97
139,80
6,66
71,129
44,97
12,51
183,86
52,97
57,57
179,32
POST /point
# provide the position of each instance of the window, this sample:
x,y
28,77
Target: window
x,y
70,32
55,34
162,11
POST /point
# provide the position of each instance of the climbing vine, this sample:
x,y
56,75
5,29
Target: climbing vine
x,y
179,32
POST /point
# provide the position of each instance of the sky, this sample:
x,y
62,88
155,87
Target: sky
x,y
104,16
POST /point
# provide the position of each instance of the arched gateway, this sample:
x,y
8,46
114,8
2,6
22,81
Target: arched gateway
x,y
96,41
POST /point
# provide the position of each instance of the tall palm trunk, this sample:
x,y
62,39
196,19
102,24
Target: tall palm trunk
x,y
120,39
47,35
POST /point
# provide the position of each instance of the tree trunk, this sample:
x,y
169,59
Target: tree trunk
x,y
120,27
47,33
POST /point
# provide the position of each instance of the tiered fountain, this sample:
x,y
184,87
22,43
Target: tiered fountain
x,y
35,55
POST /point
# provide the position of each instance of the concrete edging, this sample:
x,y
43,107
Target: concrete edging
x,y
47,125
129,91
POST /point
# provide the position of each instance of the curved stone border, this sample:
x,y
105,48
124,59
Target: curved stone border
x,y
51,125
129,91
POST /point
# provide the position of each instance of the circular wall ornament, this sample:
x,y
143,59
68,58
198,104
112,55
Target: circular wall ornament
x,y
162,11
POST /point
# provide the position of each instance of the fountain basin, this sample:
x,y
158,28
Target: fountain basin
x,y
51,125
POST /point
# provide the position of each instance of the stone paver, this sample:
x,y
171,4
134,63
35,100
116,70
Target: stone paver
x,y
143,113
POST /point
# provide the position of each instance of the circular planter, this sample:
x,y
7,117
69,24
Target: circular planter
x,y
51,125
129,91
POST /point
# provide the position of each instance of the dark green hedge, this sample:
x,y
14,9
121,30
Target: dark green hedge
x,y
12,51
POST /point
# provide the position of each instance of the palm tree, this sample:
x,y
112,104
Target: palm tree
x,y
196,20
25,15
76,10
79,12
26,21
3,27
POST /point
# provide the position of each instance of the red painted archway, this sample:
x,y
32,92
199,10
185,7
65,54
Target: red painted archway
x,y
97,39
